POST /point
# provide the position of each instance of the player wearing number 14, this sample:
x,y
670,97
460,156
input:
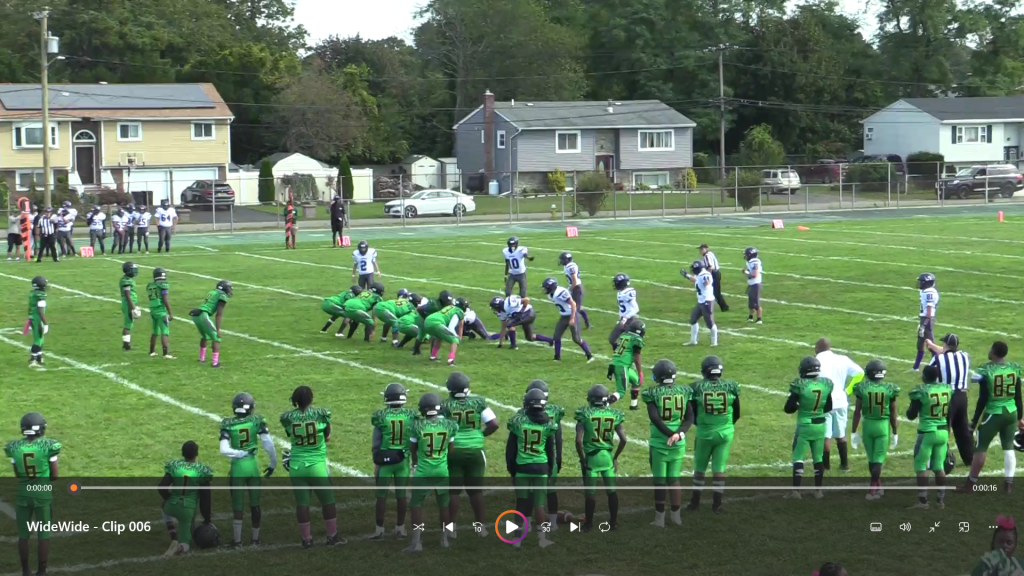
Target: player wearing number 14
x,y
35,464
876,404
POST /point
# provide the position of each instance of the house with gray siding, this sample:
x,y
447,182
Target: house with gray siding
x,y
635,142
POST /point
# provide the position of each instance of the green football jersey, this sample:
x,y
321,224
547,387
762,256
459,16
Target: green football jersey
x,y
429,308
129,283
813,394
934,399
185,479
670,400
31,458
1001,381
243,433
395,425
714,400
341,298
432,437
34,298
365,301
155,292
875,398
446,314
627,344
213,298
306,430
468,413
403,306
531,439
599,425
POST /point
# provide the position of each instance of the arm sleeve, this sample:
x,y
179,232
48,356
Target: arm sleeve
x,y
227,450
510,453
1018,401
378,439
736,410
549,448
652,413
914,410
979,408
205,504
688,419
558,447
268,444
162,486
792,404
828,404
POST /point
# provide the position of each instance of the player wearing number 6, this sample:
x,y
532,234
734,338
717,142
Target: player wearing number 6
x,y
716,402
876,404
129,301
238,441
309,430
35,465
596,425
810,398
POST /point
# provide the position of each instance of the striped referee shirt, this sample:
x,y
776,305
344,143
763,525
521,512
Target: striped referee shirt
x,y
710,261
46,227
954,369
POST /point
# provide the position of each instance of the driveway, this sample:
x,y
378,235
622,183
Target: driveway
x,y
239,214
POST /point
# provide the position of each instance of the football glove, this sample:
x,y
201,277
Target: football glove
x,y
855,440
268,472
136,312
286,461
46,328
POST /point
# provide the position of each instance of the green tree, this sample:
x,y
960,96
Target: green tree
x,y
345,177
759,148
267,188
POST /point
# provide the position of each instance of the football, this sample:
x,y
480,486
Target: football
x,y
564,517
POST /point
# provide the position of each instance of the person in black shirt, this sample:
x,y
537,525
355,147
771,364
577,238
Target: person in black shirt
x,y
337,220
47,234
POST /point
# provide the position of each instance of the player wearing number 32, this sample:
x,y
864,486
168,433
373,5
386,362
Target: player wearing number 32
x,y
364,265
515,266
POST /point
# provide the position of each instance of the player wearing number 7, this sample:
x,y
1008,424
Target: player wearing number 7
x,y
716,402
876,403
810,398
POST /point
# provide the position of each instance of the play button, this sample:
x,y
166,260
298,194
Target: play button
x,y
514,522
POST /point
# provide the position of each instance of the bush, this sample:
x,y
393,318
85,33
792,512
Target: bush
x,y
556,181
592,190
267,190
748,197
5,194
348,185
688,179
868,173
926,164
760,148
303,186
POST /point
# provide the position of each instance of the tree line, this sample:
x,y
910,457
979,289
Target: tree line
x,y
808,72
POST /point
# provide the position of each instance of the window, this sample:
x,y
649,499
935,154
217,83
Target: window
x,y
85,136
650,179
501,139
27,177
567,142
31,135
129,132
972,134
202,131
656,140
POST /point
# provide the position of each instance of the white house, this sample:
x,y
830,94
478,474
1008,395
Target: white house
x,y
964,130
423,170
288,163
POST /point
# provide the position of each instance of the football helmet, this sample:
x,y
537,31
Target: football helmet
x,y
462,304
95,209
637,326
750,253
664,371
925,280
1018,441
163,204
243,404
697,267
564,258
355,290
458,385
226,287
33,424
445,298
810,367
711,367
66,204
430,404
394,394
597,395
39,283
513,242
875,370
538,385
535,400
130,269
549,285
206,536
403,293
159,274
377,288
621,281
415,298
497,304
950,462
363,247
142,207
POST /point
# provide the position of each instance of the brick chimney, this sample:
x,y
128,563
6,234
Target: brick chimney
x,y
488,137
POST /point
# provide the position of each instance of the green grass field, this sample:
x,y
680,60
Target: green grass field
x,y
123,414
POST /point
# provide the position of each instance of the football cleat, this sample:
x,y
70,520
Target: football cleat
x,y
226,287
925,280
538,385
458,385
363,247
243,404
130,269
664,372
33,424
810,367
430,404
513,242
565,258
598,396
621,281
875,370
750,253
535,399
549,285
711,367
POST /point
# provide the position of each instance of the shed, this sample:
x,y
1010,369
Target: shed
x,y
423,170
288,163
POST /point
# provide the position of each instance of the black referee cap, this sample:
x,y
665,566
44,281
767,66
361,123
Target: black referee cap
x,y
951,340
702,245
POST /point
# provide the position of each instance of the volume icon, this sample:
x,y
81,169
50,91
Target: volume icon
x,y
905,526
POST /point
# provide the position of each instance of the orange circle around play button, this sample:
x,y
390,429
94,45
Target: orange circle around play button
x,y
510,526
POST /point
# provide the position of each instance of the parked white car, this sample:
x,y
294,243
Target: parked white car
x,y
785,181
432,201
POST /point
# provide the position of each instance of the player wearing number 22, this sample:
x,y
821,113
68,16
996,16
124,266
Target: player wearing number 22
x,y
129,302
671,413
876,404
999,400
929,402
433,435
531,457
180,491
596,423
309,429
240,438
35,465
810,397
716,402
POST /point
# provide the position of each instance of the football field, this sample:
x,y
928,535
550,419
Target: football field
x,y
123,414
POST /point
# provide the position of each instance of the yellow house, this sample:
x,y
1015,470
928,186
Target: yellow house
x,y
136,138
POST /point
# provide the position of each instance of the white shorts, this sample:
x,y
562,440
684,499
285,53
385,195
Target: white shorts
x,y
835,422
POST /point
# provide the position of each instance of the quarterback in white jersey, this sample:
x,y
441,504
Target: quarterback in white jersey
x,y
515,266
567,318
364,264
754,273
929,305
628,307
705,285
575,283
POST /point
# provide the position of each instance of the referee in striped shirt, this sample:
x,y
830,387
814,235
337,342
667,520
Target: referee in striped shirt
x,y
711,263
47,234
955,370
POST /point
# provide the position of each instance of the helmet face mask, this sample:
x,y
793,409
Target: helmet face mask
x,y
130,269
159,274
33,425
513,242
875,370
363,247
711,367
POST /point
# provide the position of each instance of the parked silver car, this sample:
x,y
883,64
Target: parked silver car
x,y
781,180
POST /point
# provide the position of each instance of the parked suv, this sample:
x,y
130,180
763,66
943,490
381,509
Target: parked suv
x,y
998,179
205,192
825,171
783,180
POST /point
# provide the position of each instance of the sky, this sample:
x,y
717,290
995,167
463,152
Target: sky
x,y
375,19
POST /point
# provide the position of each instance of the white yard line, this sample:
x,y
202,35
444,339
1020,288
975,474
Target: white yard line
x,y
208,249
925,236
7,509
98,366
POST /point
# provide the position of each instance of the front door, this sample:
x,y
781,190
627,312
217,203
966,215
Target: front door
x,y
1010,154
605,163
85,164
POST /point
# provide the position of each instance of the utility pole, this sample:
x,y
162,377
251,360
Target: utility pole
x,y
45,58
721,118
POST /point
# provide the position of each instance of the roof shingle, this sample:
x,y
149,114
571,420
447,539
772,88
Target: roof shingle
x,y
971,108
591,114
114,101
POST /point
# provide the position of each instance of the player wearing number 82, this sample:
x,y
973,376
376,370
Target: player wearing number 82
x,y
999,400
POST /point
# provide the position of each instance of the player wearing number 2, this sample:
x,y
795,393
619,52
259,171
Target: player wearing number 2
x,y
876,404
240,438
716,402
515,266
35,465
364,264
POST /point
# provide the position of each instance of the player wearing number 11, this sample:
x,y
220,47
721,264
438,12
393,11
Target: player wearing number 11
x,y
390,449
35,464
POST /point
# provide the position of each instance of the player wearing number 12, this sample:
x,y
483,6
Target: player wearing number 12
x,y
555,413
810,398
929,401
309,429
530,458
433,435
671,413
876,404
391,428
999,400
716,402
180,490
596,423
467,463
160,312
129,301
35,464
238,441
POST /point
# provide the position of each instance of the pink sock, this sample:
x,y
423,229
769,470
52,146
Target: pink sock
x,y
216,358
202,354
304,531
332,527
451,356
434,349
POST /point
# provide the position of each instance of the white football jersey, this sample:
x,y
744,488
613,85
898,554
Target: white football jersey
x,y
98,221
516,259
118,221
364,262
563,301
165,217
470,316
142,219
929,298
514,305
73,212
754,264
628,306
571,269
64,223
705,284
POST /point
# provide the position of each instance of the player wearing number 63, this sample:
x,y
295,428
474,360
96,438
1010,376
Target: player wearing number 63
x,y
238,441
129,299
717,405
35,465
